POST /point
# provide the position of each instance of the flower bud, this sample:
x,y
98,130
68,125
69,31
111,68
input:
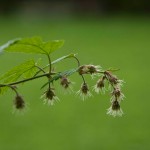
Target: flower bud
x,y
115,105
65,82
111,78
83,69
19,103
50,96
100,85
115,109
84,91
93,69
117,94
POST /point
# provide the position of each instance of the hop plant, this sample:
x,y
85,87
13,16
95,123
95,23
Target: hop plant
x,y
31,70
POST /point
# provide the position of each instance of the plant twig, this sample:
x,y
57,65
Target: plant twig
x,y
25,80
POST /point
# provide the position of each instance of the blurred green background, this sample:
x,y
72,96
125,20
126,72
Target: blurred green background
x,y
121,41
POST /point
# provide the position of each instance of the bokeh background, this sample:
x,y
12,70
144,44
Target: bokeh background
x,y
105,32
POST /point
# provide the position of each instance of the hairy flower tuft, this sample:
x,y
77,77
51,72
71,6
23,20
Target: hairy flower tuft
x,y
50,96
84,91
100,86
65,82
117,94
19,103
115,109
94,69
83,69
111,78
89,69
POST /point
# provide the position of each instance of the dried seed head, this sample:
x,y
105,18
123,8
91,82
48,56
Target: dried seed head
x,y
83,69
100,83
50,96
111,78
19,103
65,82
115,105
84,88
115,109
100,86
117,94
93,69
84,91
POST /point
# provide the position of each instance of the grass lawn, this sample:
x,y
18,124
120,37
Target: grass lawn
x,y
73,124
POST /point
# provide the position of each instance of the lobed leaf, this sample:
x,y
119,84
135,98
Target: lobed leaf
x,y
34,45
25,70
52,46
3,90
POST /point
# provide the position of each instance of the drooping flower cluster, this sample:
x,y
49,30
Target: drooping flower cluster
x,y
89,69
114,86
106,82
116,95
31,70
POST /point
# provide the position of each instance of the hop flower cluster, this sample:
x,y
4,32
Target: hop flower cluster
x,y
89,69
31,70
50,96
105,77
106,82
116,95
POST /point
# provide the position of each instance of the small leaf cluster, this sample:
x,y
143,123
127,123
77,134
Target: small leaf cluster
x,y
31,70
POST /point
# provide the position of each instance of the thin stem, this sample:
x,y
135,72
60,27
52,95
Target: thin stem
x,y
13,88
101,72
83,79
25,80
77,61
50,65
79,66
50,69
40,69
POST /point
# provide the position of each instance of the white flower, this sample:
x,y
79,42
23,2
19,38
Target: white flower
x,y
84,95
114,113
84,91
100,87
83,69
94,70
117,94
67,85
120,83
89,69
50,97
115,109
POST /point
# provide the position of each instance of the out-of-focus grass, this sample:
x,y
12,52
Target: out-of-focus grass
x,y
72,123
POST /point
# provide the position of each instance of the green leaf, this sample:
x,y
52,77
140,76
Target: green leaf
x,y
9,43
59,75
58,60
52,46
113,69
3,90
34,45
64,57
26,45
25,70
